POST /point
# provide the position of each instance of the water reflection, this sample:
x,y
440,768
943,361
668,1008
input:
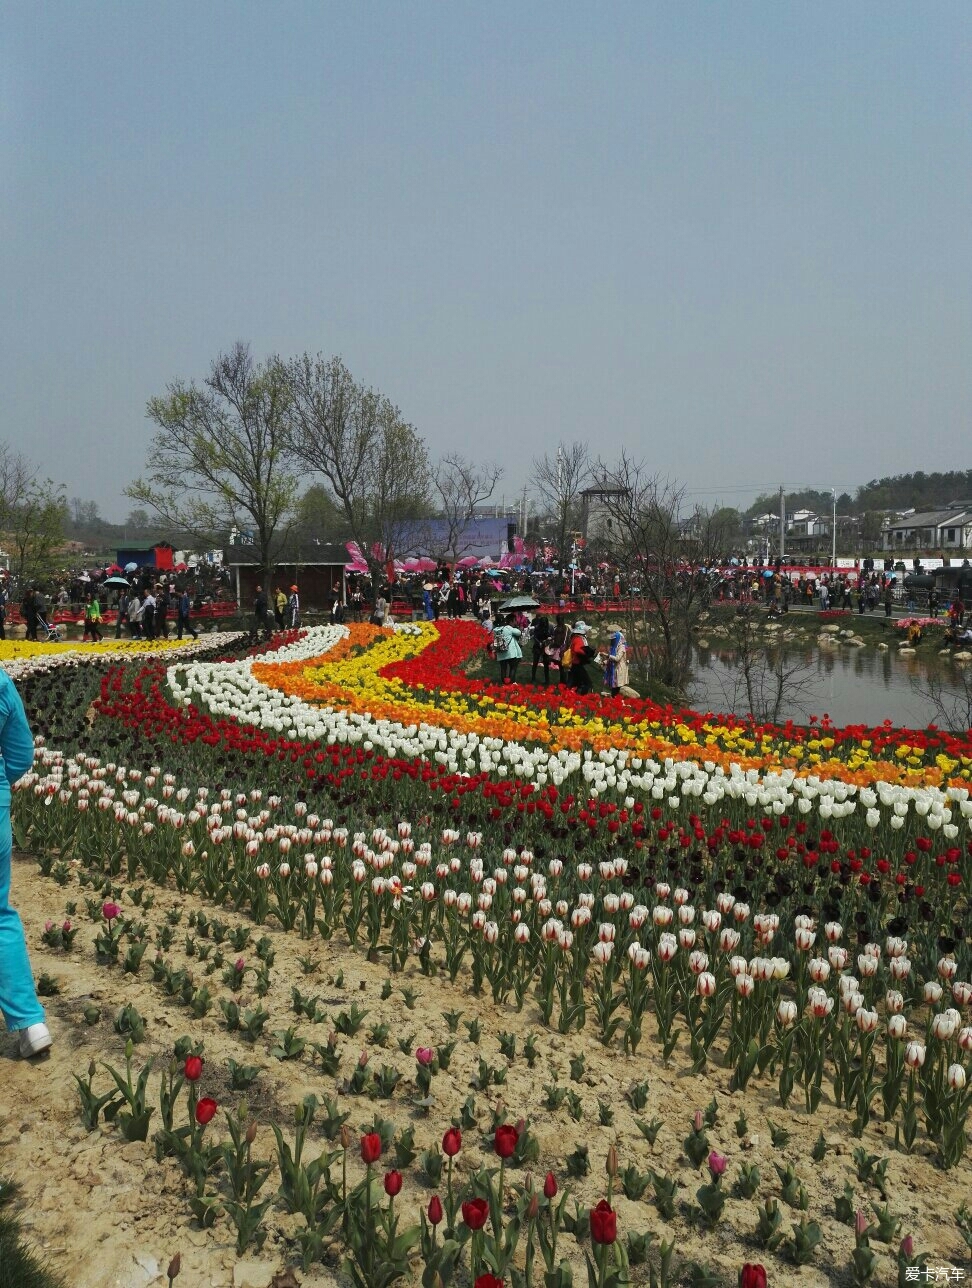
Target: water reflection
x,y
851,685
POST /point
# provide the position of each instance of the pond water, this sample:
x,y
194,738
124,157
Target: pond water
x,y
851,685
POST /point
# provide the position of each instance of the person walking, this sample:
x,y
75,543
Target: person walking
x,y
506,639
580,654
148,614
280,607
261,616
293,609
183,609
3,612
541,634
135,614
888,598
92,618
28,609
163,602
121,613
381,610
22,1012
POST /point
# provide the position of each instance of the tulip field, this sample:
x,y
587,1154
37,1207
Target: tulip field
x,y
379,973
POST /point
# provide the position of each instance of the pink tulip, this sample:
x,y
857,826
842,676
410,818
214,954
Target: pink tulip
x,y
424,1055
717,1164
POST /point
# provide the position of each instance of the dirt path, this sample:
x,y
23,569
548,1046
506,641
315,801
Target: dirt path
x,y
108,1214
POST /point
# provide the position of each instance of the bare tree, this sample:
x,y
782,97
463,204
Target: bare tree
x,y
16,477
662,550
559,480
458,488
221,457
36,527
951,704
32,515
374,462
764,679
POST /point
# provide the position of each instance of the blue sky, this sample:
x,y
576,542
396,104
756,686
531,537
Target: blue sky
x,y
733,238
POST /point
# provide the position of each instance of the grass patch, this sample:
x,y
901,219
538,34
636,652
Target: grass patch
x,y
20,1267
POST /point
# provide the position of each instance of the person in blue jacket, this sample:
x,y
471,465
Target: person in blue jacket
x,y
506,638
19,1006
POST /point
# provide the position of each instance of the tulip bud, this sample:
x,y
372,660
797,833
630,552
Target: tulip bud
x,y
611,1164
907,1247
956,1077
914,1055
550,1186
533,1207
860,1224
786,1013
346,1137
251,1131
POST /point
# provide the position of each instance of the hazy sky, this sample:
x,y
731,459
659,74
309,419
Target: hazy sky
x,y
735,238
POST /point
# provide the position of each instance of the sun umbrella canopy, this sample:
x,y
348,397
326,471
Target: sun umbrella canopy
x,y
114,581
519,601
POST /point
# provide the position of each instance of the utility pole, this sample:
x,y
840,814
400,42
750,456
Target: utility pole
x,y
782,523
833,556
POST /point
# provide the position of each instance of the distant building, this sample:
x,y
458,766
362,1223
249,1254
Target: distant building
x,y
946,529
318,571
157,556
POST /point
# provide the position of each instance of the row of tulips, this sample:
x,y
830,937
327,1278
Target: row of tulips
x,y
320,688
770,993
127,1103
502,1229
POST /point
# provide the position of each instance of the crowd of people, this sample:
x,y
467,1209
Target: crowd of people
x,y
558,648
147,605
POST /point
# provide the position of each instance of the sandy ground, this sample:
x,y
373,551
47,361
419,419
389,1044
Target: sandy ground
x,y
107,1213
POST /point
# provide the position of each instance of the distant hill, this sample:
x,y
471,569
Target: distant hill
x,y
919,491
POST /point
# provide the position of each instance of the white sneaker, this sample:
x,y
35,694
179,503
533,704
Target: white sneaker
x,y
34,1040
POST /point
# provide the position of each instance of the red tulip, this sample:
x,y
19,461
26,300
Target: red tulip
x,y
393,1183
475,1213
206,1110
604,1223
717,1164
452,1142
504,1142
549,1186
488,1281
371,1147
435,1210
193,1069
752,1276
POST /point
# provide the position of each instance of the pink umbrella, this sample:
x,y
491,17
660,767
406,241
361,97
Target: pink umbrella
x,y
426,565
470,561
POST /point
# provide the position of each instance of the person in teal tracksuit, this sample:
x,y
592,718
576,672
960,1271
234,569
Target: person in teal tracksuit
x,y
21,1010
